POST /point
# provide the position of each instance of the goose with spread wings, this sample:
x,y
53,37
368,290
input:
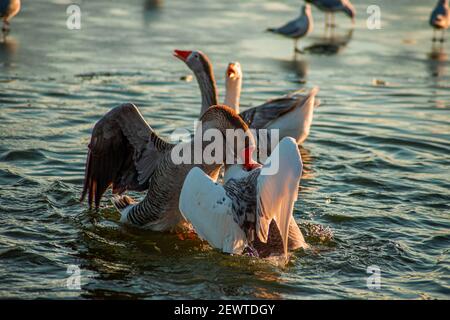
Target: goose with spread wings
x,y
125,153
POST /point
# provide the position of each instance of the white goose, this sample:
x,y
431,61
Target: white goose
x,y
252,211
126,154
291,114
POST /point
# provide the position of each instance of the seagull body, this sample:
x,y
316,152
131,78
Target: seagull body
x,y
252,211
294,122
440,18
8,9
126,154
298,27
333,6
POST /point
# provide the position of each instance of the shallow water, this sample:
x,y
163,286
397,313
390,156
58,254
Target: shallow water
x,y
377,159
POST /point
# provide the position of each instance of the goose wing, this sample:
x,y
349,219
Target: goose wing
x,y
206,205
277,190
123,152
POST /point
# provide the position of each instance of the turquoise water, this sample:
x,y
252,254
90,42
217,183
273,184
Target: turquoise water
x,y
376,161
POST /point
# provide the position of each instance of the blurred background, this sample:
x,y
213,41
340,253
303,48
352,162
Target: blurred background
x,y
376,161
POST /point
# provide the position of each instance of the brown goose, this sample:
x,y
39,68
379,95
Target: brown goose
x,y
291,114
127,154
295,123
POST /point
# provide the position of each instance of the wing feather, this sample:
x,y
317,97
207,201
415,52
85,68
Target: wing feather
x,y
278,191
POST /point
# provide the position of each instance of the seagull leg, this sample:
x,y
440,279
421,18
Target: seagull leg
x,y
442,36
434,35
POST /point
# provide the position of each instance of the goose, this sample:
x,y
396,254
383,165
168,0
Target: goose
x,y
291,114
440,18
127,154
8,9
251,213
298,27
332,6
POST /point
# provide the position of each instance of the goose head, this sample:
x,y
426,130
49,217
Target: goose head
x,y
233,85
238,140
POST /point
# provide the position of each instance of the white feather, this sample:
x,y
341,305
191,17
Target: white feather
x,y
278,191
207,207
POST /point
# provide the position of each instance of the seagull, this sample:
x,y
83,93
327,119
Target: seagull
x,y
297,28
332,6
440,18
251,213
8,9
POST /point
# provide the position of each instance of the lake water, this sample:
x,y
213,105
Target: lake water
x,y
376,162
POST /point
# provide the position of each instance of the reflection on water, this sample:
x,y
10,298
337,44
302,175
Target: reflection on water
x,y
331,44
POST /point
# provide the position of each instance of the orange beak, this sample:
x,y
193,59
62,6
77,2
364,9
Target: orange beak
x,y
231,71
182,54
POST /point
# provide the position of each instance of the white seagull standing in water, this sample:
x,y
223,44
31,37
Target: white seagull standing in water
x,y
440,19
298,27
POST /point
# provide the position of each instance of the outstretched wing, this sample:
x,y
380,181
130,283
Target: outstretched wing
x,y
260,116
289,29
123,152
278,190
208,208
